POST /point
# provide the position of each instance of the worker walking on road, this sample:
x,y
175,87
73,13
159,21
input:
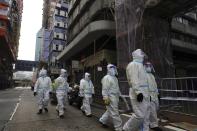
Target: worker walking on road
x,y
86,91
111,93
154,94
61,92
42,89
139,93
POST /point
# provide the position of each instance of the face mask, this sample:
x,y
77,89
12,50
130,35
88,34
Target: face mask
x,y
87,78
112,72
148,69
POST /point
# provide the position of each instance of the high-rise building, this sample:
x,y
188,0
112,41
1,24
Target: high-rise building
x,y
39,44
91,38
48,11
184,40
10,21
45,51
58,37
164,29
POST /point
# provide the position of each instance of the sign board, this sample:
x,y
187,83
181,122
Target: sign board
x,y
75,64
55,71
99,68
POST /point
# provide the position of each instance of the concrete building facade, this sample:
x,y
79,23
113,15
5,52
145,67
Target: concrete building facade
x,y
58,36
184,44
165,30
10,21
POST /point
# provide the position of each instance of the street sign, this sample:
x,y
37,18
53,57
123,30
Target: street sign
x,y
75,64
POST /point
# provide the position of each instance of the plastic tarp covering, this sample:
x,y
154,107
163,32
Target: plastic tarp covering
x,y
138,29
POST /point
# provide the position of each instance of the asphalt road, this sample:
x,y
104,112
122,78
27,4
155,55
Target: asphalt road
x,y
8,101
26,119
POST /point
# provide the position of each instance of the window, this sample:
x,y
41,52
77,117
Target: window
x,y
62,13
57,48
57,36
60,47
58,24
56,11
65,25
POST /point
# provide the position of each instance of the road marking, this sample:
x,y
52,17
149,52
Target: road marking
x,y
174,128
15,109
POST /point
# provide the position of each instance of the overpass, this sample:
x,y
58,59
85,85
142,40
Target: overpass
x,y
24,65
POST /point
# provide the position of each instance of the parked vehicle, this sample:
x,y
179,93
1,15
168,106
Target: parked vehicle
x,y
74,98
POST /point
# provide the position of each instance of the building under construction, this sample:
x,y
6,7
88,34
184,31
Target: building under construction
x,y
107,31
10,23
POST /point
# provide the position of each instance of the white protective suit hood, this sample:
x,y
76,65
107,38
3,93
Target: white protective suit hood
x,y
112,70
63,73
149,67
43,73
138,55
87,76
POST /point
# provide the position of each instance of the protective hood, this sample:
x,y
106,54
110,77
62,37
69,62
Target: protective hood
x,y
112,70
149,67
43,73
138,55
87,76
63,73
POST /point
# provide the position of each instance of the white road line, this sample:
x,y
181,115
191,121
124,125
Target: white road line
x,y
174,128
15,109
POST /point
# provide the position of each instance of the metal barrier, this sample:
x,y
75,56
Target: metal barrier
x,y
179,94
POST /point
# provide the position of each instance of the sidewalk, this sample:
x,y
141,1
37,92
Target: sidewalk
x,y
26,119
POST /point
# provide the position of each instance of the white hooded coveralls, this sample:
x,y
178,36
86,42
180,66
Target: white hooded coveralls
x,y
43,87
86,91
154,104
111,91
61,91
137,79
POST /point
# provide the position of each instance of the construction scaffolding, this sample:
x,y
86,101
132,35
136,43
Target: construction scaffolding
x,y
137,28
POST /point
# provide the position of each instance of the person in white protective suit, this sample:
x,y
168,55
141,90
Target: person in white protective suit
x,y
42,89
61,92
111,93
86,91
154,94
139,93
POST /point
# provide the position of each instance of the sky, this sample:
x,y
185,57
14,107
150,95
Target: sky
x,y
31,23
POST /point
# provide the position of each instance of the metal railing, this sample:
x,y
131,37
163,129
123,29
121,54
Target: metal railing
x,y
179,94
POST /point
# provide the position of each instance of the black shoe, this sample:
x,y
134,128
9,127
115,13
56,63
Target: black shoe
x,y
89,115
62,116
103,125
83,111
46,110
156,129
40,111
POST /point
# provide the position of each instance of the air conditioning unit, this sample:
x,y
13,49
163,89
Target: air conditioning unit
x,y
151,3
